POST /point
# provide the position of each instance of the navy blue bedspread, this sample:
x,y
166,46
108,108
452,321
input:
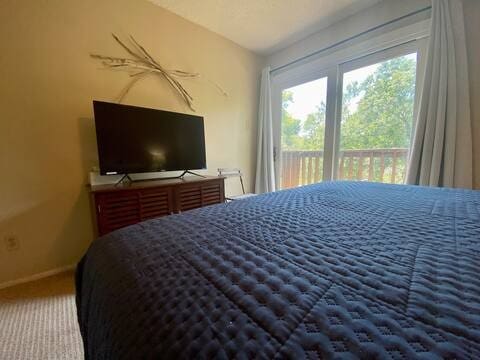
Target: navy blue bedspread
x,y
334,270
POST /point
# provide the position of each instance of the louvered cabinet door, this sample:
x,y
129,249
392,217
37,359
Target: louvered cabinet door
x,y
155,203
194,196
116,210
117,207
189,197
212,194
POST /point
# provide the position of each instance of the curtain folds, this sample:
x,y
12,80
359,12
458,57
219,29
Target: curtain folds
x,y
441,153
265,175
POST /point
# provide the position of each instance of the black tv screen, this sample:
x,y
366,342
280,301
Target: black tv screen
x,y
133,139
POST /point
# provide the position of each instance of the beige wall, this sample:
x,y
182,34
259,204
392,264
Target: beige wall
x,y
47,140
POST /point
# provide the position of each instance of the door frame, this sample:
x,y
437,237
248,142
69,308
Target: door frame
x,y
372,59
331,65
277,91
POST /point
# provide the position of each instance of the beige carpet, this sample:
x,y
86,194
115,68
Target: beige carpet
x,y
38,320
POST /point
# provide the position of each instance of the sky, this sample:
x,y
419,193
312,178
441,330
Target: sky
x,y
307,96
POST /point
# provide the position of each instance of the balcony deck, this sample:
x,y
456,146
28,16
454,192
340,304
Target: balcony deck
x,y
381,165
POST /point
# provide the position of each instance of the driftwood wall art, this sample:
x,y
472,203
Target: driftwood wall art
x,y
142,64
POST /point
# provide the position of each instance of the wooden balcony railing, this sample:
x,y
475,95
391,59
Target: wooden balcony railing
x,y
382,165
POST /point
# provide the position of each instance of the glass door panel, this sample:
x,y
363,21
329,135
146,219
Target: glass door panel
x,y
377,120
303,133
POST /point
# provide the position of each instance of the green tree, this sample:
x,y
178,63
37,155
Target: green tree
x,y
290,127
313,129
383,118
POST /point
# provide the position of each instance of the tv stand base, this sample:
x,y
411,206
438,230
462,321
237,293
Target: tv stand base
x,y
190,172
127,179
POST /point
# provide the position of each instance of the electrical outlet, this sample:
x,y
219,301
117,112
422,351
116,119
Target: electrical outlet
x,y
11,243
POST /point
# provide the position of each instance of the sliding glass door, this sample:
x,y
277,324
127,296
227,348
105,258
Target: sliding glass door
x,y
353,121
302,133
377,119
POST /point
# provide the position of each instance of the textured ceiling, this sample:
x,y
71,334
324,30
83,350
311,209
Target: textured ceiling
x,y
264,26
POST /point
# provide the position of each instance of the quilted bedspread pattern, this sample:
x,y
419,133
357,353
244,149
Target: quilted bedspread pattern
x,y
333,270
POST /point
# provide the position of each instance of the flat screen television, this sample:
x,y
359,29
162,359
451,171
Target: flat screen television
x,y
133,139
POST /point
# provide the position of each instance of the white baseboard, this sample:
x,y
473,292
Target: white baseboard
x,y
38,276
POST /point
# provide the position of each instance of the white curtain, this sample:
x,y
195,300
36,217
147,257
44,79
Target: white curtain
x,y
442,144
265,176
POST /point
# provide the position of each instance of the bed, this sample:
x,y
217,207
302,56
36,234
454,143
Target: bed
x,y
331,270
